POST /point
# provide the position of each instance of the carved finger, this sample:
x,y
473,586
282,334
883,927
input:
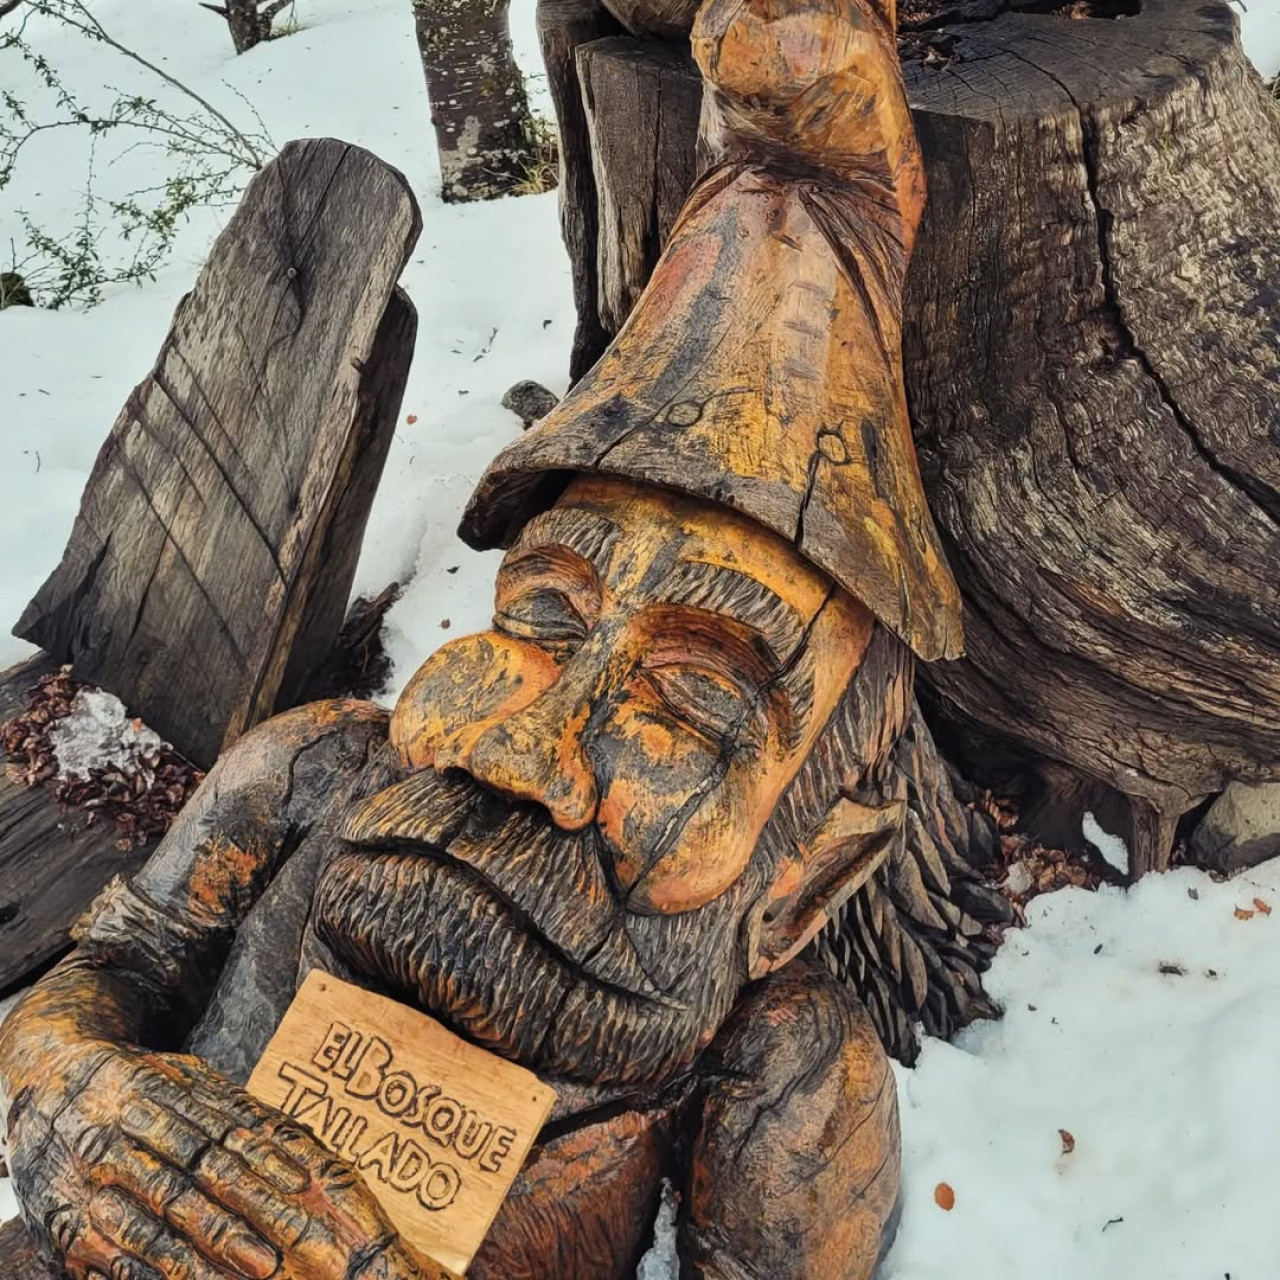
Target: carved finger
x,y
85,1253
161,1129
213,1105
170,1194
226,1178
342,1187
217,1092
148,1249
395,1262
318,1232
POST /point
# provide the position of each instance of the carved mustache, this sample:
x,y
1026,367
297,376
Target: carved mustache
x,y
552,882
493,918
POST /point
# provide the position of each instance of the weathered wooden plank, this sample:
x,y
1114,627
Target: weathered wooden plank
x,y
195,585
19,1259
52,863
642,100
564,25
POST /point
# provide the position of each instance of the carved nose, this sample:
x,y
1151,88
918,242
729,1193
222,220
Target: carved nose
x,y
536,755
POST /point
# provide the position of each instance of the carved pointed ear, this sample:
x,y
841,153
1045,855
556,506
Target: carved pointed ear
x,y
843,854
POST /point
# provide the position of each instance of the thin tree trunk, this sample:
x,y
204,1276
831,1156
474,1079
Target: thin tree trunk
x,y
249,20
484,131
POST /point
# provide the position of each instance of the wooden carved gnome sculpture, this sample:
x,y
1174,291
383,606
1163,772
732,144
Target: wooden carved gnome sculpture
x,y
599,838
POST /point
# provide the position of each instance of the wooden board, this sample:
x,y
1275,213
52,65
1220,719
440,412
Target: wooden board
x,y
52,862
201,574
438,1127
636,93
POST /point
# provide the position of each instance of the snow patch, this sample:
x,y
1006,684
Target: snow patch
x,y
1146,1022
660,1262
1112,848
100,734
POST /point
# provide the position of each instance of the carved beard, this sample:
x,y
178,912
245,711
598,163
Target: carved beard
x,y
489,916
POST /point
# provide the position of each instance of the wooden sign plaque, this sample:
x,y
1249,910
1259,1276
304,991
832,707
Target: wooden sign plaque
x,y
438,1127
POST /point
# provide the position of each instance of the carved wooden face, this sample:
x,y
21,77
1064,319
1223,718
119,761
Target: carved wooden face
x,y
592,777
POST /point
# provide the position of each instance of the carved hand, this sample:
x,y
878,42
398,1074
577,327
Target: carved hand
x,y
144,1166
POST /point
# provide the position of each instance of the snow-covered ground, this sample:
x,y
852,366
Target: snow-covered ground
x,y
1145,1024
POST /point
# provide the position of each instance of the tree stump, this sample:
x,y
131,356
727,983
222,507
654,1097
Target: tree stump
x,y
1092,345
1092,349
209,566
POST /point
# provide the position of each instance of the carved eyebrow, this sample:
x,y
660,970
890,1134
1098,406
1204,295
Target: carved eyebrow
x,y
717,589
585,532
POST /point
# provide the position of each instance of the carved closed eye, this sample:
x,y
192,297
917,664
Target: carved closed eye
x,y
706,701
545,615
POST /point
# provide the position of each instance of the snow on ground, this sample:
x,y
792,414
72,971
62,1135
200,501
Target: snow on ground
x,y
99,733
1164,1079
490,282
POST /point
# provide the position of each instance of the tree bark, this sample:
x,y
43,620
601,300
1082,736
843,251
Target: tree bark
x,y
249,20
642,174
564,26
484,130
1092,347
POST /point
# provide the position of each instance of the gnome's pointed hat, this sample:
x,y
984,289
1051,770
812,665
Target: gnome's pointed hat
x,y
761,369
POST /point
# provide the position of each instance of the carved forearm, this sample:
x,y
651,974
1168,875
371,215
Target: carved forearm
x,y
151,949
795,1169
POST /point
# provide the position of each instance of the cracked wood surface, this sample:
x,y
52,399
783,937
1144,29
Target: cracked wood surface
x,y
1092,346
642,174
52,862
762,367
210,563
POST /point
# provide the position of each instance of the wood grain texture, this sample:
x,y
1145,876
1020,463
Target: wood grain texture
x,y
212,556
797,1161
53,863
762,367
642,175
1090,360
1092,345
19,1257
437,1127
564,26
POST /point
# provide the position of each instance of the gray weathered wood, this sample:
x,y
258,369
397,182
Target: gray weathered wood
x,y
642,100
563,27
1092,352
213,553
1092,349
18,1257
52,862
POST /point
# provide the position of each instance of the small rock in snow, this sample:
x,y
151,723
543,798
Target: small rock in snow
x,y
1241,828
529,401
